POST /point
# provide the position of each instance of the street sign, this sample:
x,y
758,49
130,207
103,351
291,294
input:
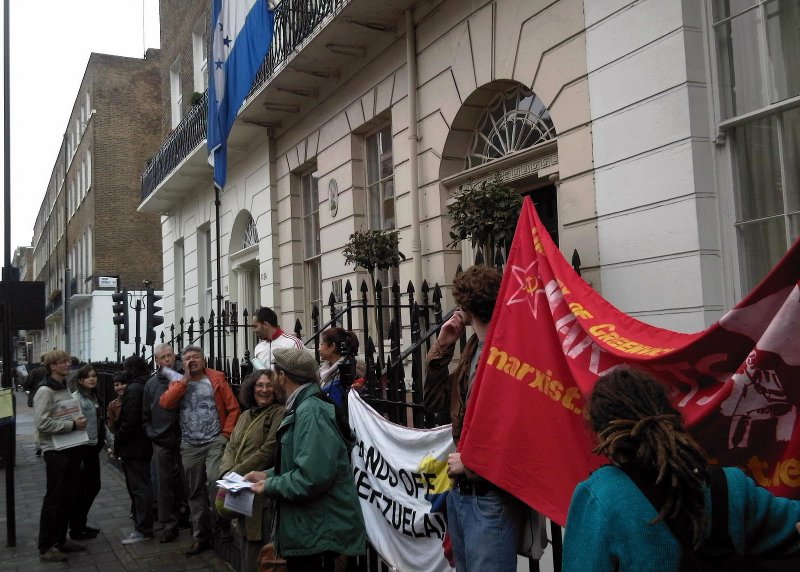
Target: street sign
x,y
106,281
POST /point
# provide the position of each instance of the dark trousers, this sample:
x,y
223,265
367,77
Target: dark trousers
x,y
137,477
323,562
88,479
171,492
61,468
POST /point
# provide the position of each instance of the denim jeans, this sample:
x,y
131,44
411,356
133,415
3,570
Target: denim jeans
x,y
482,530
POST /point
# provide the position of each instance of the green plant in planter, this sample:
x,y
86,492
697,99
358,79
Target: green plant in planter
x,y
485,214
197,97
371,249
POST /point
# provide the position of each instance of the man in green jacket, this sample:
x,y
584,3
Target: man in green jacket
x,y
319,517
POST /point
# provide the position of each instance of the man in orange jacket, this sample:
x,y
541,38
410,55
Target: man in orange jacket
x,y
208,414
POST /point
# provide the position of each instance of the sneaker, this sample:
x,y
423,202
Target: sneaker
x,y
52,555
135,537
85,534
69,546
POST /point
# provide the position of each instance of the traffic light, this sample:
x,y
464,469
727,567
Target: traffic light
x,y
120,308
152,319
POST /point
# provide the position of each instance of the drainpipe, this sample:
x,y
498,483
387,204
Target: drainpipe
x,y
413,165
66,290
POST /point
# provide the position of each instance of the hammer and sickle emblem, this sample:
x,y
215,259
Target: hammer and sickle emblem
x,y
530,284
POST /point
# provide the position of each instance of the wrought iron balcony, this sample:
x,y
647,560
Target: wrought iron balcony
x,y
295,21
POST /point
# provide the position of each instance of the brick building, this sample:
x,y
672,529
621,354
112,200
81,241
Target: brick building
x,y
113,130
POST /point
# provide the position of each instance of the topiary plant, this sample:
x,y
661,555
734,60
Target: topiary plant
x,y
371,249
485,214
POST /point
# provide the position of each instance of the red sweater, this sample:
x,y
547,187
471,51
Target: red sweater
x,y
227,405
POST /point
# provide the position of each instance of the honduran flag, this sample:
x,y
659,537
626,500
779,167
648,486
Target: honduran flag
x,y
241,36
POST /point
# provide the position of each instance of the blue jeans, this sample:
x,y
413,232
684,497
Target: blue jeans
x,y
482,530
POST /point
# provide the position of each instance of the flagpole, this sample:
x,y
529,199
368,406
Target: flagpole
x,y
219,274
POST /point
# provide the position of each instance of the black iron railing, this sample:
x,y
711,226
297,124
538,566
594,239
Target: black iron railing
x,y
295,21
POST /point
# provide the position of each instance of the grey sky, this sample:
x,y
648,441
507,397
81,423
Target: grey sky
x,y
50,45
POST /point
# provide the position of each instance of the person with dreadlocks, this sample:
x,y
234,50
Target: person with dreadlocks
x,y
612,523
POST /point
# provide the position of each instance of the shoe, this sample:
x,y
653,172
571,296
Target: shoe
x,y
52,555
94,531
69,546
135,537
84,534
197,548
39,454
168,535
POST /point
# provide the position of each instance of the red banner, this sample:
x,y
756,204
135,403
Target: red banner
x,y
552,335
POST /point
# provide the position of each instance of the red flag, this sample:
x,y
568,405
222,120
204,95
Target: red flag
x,y
552,335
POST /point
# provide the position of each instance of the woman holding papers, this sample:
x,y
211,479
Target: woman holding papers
x,y
58,420
252,448
88,470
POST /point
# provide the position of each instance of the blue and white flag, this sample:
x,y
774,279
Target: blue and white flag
x,y
240,41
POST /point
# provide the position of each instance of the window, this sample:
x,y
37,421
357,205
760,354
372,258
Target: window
x,y
756,43
517,119
200,56
204,270
380,180
175,95
380,201
309,183
180,284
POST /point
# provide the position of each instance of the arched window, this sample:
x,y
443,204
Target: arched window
x,y
517,119
250,234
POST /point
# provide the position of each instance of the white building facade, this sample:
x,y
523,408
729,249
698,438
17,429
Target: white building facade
x,y
660,140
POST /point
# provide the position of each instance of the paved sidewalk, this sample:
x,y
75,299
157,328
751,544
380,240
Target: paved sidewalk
x,y
110,513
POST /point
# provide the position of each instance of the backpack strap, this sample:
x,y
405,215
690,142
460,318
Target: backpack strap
x,y
719,502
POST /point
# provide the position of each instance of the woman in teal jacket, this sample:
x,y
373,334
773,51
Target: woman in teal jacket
x,y
612,525
319,516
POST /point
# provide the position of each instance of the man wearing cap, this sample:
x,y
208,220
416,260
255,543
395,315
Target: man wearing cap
x,y
319,514
208,414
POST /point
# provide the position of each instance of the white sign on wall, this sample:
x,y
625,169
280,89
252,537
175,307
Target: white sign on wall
x,y
106,281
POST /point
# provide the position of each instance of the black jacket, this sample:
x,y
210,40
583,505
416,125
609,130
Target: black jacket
x,y
162,425
130,440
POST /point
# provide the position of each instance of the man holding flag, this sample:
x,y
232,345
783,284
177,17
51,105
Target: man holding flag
x,y
480,516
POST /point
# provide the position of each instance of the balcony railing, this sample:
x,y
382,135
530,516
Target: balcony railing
x,y
189,133
295,21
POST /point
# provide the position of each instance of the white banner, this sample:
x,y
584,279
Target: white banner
x,y
401,479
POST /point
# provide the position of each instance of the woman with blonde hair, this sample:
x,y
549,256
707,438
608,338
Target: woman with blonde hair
x,y
652,507
252,448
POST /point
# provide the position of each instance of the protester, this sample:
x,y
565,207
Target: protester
x,y
480,516
88,470
265,325
164,430
320,516
120,381
331,380
60,465
35,378
132,445
208,413
252,447
611,523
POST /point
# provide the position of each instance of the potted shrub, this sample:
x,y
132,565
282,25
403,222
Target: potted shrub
x,y
486,214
